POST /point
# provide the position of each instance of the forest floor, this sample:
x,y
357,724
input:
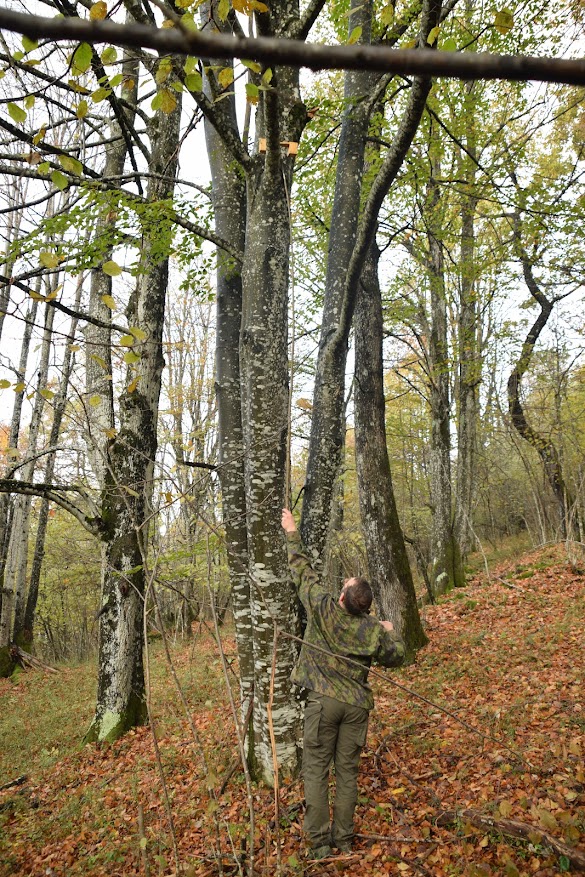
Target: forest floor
x,y
435,798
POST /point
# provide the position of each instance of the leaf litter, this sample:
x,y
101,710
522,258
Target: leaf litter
x,y
435,798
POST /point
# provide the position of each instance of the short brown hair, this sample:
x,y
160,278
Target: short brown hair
x,y
358,596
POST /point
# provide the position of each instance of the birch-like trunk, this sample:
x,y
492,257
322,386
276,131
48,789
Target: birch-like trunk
x,y
229,204
6,507
58,412
17,561
264,386
388,565
129,465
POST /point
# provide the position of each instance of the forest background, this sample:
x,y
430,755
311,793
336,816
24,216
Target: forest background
x,y
433,228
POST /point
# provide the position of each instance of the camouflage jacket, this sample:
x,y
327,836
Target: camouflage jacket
x,y
337,634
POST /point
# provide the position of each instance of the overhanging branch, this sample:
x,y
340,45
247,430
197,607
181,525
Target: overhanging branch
x,y
459,65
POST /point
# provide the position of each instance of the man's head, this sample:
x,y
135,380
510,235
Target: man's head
x,y
356,596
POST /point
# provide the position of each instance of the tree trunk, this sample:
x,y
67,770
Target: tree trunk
x,y
59,410
328,420
388,565
445,555
469,358
129,469
349,245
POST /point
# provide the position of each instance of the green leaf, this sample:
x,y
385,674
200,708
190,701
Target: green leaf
x,y
82,109
81,59
253,66
116,80
29,101
127,340
355,35
267,77
109,302
190,65
70,164
252,93
433,34
130,357
139,334
44,167
59,180
387,15
29,44
111,268
100,94
449,45
194,82
109,55
18,56
16,113
156,102
504,21
165,69
564,863
143,843
48,260
223,9
47,394
177,86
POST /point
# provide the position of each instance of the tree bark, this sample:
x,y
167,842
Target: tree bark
x,y
129,464
388,565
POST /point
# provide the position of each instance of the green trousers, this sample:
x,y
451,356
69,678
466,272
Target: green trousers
x,y
334,732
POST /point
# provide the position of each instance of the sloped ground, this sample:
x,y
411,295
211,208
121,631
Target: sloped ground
x,y
436,798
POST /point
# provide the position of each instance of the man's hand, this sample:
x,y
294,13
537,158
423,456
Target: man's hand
x,y
387,625
288,522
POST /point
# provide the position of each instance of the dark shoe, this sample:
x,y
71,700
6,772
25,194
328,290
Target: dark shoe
x,y
319,852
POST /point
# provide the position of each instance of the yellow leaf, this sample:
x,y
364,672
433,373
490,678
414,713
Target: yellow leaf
x,y
225,77
48,260
132,386
127,340
110,433
304,404
505,808
168,101
98,11
168,496
131,357
100,361
95,400
109,302
47,394
18,388
432,37
504,21
139,334
4,384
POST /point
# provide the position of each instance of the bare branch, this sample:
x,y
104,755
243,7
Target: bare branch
x,y
460,65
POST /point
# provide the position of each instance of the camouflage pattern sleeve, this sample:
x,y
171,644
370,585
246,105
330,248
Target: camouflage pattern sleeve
x,y
391,651
306,580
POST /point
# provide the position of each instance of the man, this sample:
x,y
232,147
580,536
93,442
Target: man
x,y
338,695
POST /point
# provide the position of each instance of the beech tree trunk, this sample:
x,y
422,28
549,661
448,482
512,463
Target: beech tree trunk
x,y
388,565
129,464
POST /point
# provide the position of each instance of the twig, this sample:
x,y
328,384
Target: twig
x,y
19,781
509,584
515,829
142,841
274,755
